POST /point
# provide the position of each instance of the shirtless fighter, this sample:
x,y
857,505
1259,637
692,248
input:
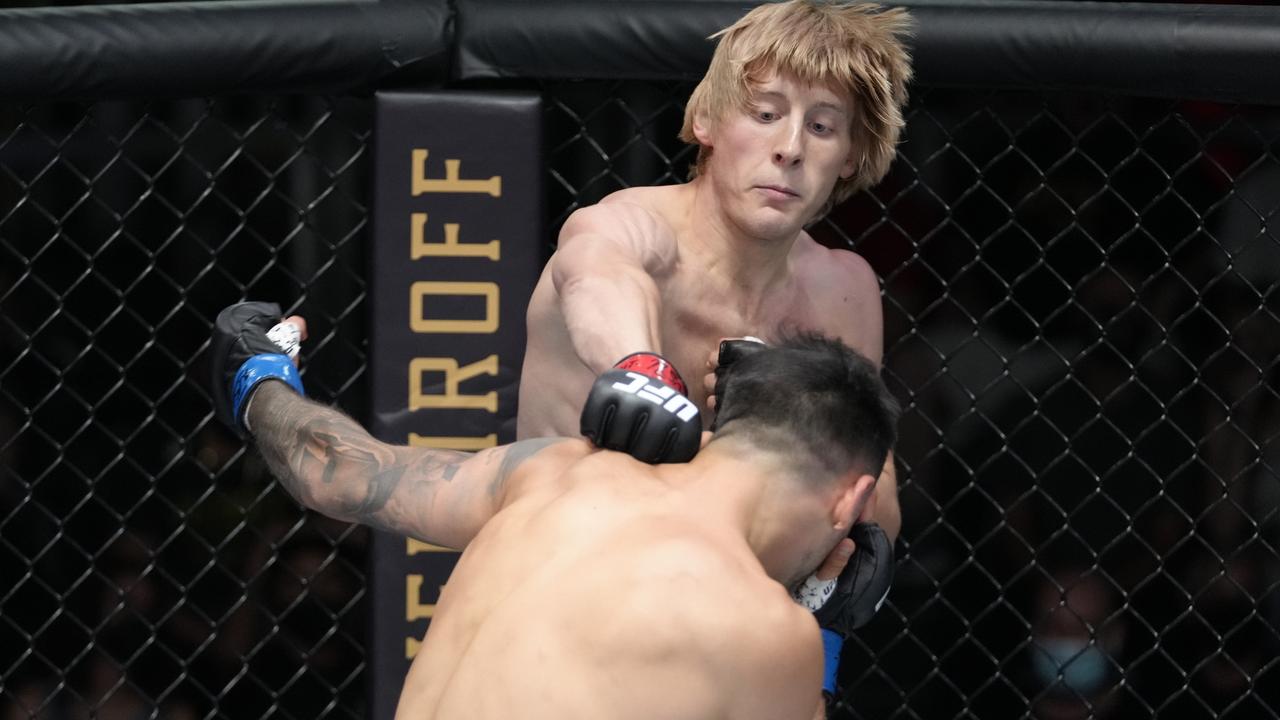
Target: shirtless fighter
x,y
593,585
800,108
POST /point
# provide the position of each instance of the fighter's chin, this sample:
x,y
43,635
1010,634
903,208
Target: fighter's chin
x,y
772,224
808,566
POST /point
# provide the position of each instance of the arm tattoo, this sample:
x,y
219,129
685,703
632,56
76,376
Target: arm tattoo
x,y
516,453
329,463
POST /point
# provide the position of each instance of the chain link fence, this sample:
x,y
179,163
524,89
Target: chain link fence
x,y
1079,319
150,563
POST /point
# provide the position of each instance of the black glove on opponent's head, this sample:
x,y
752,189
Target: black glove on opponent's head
x,y
640,408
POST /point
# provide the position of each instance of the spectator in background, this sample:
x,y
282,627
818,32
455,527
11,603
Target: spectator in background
x,y
1076,652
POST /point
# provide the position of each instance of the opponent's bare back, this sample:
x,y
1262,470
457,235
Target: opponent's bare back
x,y
604,589
703,288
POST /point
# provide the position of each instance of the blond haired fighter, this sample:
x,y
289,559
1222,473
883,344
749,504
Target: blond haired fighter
x,y
593,585
800,107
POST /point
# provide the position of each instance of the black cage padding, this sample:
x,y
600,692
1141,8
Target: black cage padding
x,y
1205,52
189,49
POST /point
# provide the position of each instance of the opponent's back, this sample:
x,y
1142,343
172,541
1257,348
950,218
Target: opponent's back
x,y
599,592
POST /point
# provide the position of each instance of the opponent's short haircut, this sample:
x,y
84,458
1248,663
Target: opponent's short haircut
x,y
854,48
812,400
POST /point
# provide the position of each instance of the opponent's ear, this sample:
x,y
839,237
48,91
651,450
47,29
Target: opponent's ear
x,y
854,495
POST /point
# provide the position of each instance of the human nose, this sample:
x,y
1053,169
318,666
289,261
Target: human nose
x,y
788,144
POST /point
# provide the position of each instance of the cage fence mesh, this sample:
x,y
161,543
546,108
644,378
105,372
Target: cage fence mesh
x,y
1079,319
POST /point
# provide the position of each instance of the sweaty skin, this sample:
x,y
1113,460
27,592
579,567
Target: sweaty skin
x,y
591,585
675,269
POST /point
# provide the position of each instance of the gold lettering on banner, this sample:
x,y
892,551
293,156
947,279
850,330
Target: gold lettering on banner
x,y
449,442
448,297
413,547
451,247
423,288
414,608
454,375
451,182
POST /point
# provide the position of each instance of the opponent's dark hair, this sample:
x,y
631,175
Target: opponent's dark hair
x,y
812,399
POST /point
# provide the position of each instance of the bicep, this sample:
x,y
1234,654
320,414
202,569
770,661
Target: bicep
x,y
605,279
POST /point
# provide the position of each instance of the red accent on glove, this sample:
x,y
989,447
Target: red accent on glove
x,y
655,366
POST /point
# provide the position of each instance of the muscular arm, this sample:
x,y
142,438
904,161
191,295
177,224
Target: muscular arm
x,y
603,272
332,465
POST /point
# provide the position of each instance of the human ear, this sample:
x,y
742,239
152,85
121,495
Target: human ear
x,y
702,130
851,164
852,499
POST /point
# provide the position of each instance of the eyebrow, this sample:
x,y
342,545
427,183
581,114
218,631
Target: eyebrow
x,y
827,104
832,106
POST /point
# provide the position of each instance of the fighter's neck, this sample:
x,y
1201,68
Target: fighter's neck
x,y
732,492
726,251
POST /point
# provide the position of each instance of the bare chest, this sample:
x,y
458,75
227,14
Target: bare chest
x,y
696,316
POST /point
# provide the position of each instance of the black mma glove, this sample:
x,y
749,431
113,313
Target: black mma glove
x,y
864,583
858,593
641,407
247,349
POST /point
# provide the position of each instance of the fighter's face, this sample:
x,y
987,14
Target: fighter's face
x,y
814,557
773,165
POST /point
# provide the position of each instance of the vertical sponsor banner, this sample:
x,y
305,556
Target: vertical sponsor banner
x,y
458,238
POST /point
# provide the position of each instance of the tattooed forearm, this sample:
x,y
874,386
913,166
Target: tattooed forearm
x,y
381,485
329,463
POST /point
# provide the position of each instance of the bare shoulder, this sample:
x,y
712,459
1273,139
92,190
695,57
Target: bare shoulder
x,y
526,466
634,218
832,270
759,648
656,200
845,293
785,657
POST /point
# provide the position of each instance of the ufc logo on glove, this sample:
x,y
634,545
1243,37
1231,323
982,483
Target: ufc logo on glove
x,y
663,395
621,412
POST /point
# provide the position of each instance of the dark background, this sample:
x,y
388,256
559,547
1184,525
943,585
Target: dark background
x,y
1080,322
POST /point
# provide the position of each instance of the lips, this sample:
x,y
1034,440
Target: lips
x,y
778,190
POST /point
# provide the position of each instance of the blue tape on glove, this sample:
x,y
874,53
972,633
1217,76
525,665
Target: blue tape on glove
x,y
255,370
831,643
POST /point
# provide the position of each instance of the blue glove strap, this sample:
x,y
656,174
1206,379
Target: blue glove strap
x,y
255,370
831,643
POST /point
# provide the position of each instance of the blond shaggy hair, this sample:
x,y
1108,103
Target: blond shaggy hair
x,y
854,48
